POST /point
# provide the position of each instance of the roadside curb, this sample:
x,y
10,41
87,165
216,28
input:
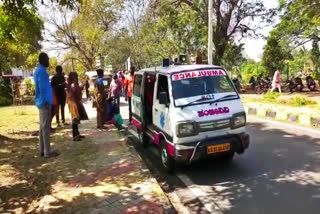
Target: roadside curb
x,y
167,205
298,115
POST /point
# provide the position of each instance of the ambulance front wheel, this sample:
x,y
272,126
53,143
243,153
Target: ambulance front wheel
x,y
143,139
168,162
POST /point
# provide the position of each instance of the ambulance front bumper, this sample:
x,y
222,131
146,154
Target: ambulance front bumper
x,y
194,151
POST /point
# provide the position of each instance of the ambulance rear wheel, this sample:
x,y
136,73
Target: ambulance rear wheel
x,y
143,139
167,160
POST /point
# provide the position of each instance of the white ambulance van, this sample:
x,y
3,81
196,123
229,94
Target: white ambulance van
x,y
190,112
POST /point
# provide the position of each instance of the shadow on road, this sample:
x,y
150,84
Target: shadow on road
x,y
280,173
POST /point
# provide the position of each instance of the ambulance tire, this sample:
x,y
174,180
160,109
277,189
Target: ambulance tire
x,y
143,139
167,161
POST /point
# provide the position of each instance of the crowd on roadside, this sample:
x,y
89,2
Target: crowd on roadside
x,y
51,98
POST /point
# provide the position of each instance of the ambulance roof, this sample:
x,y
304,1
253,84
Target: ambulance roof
x,y
177,68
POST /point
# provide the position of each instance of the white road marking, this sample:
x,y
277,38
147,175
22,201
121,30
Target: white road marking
x,y
211,207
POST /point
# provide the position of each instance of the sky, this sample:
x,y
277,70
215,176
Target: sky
x,y
253,48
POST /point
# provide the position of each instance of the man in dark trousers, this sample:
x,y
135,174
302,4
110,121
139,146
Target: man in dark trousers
x,y
44,100
58,84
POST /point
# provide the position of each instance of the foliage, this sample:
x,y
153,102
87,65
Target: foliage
x,y
271,96
275,98
275,52
18,5
53,62
19,36
315,55
4,101
300,21
5,93
30,87
31,61
233,56
251,68
232,18
300,101
170,27
87,31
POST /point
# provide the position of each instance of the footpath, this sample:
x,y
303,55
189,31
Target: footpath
x,y
100,174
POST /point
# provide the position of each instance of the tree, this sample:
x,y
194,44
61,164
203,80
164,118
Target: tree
x,y
315,55
300,21
86,33
19,36
251,68
233,56
233,19
17,5
275,52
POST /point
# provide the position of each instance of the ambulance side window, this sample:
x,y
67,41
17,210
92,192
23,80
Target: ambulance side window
x,y
137,85
163,85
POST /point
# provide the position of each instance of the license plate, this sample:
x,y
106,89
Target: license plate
x,y
218,148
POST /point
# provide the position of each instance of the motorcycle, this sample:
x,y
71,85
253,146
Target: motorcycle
x,y
290,85
311,84
298,84
263,86
237,84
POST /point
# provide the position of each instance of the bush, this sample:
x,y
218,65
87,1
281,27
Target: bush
x,y
301,101
271,96
4,101
30,87
5,93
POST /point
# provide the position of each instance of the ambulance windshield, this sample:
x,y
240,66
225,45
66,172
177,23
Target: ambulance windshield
x,y
197,83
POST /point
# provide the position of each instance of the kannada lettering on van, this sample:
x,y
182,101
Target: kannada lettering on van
x,y
215,111
196,74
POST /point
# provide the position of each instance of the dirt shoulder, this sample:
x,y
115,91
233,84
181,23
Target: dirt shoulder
x,y
100,174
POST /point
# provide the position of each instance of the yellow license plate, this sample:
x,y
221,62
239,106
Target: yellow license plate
x,y
218,148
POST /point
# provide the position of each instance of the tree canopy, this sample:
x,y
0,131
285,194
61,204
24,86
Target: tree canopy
x,y
19,36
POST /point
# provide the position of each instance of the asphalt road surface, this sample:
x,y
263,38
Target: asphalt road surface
x,y
279,173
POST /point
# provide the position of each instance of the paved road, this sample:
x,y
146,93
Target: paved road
x,y
280,173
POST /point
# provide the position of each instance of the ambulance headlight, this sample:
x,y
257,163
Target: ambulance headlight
x,y
238,120
186,129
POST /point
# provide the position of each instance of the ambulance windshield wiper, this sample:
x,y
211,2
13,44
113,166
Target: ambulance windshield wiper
x,y
201,99
222,98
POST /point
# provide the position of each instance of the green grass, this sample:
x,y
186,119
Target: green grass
x,y
276,98
18,119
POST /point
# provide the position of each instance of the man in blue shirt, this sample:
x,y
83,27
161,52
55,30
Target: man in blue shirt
x,y
44,102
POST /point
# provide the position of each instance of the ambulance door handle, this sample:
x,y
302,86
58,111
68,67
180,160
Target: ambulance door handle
x,y
156,110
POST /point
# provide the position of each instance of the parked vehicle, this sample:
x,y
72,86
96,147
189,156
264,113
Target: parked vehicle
x,y
237,84
190,112
298,84
311,84
290,85
263,85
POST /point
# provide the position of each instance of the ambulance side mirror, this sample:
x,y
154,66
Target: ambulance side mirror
x,y
163,98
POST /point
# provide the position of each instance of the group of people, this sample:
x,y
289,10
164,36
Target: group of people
x,y
108,102
52,97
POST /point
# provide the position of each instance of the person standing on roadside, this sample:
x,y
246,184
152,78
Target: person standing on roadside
x,y
44,100
76,108
129,88
115,90
58,84
276,81
100,100
87,86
